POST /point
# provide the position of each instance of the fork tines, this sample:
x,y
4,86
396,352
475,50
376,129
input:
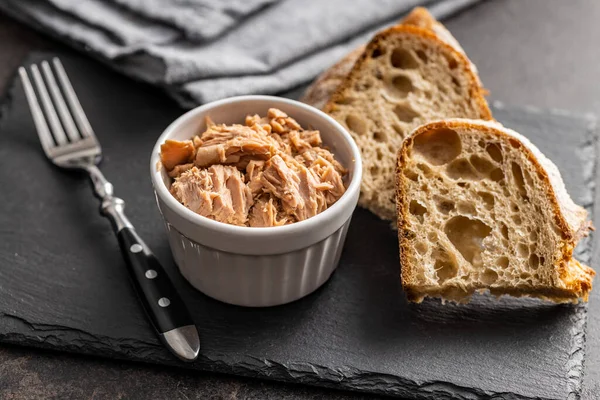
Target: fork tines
x,y
62,121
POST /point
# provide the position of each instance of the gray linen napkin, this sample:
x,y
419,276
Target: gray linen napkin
x,y
203,50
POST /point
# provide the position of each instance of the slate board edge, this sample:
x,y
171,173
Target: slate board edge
x,y
47,336
576,372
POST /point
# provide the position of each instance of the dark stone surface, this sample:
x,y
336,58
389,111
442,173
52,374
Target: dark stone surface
x,y
65,286
539,52
30,375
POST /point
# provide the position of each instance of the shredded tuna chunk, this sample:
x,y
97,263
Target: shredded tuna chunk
x,y
279,180
331,176
217,192
296,187
319,157
197,141
257,120
232,152
268,172
283,143
180,169
304,140
254,176
223,144
218,134
265,213
173,152
280,122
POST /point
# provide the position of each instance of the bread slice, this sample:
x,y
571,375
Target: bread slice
x,y
319,93
480,207
406,76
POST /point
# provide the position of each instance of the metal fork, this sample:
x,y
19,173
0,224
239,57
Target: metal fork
x,y
69,142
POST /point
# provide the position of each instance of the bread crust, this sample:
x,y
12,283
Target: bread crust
x,y
570,218
319,92
476,92
421,18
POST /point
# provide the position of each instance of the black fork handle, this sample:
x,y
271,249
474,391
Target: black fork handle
x,y
161,301
163,305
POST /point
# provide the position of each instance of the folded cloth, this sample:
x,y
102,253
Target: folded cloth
x,y
204,50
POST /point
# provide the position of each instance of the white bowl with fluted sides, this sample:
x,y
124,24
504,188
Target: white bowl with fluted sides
x,y
257,267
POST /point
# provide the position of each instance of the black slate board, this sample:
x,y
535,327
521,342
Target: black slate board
x,y
63,284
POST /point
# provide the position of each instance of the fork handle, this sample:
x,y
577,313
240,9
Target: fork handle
x,y
159,297
163,305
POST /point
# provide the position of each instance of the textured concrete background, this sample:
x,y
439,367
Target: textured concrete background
x,y
537,52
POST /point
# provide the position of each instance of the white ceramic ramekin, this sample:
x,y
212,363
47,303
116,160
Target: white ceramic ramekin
x,y
257,267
